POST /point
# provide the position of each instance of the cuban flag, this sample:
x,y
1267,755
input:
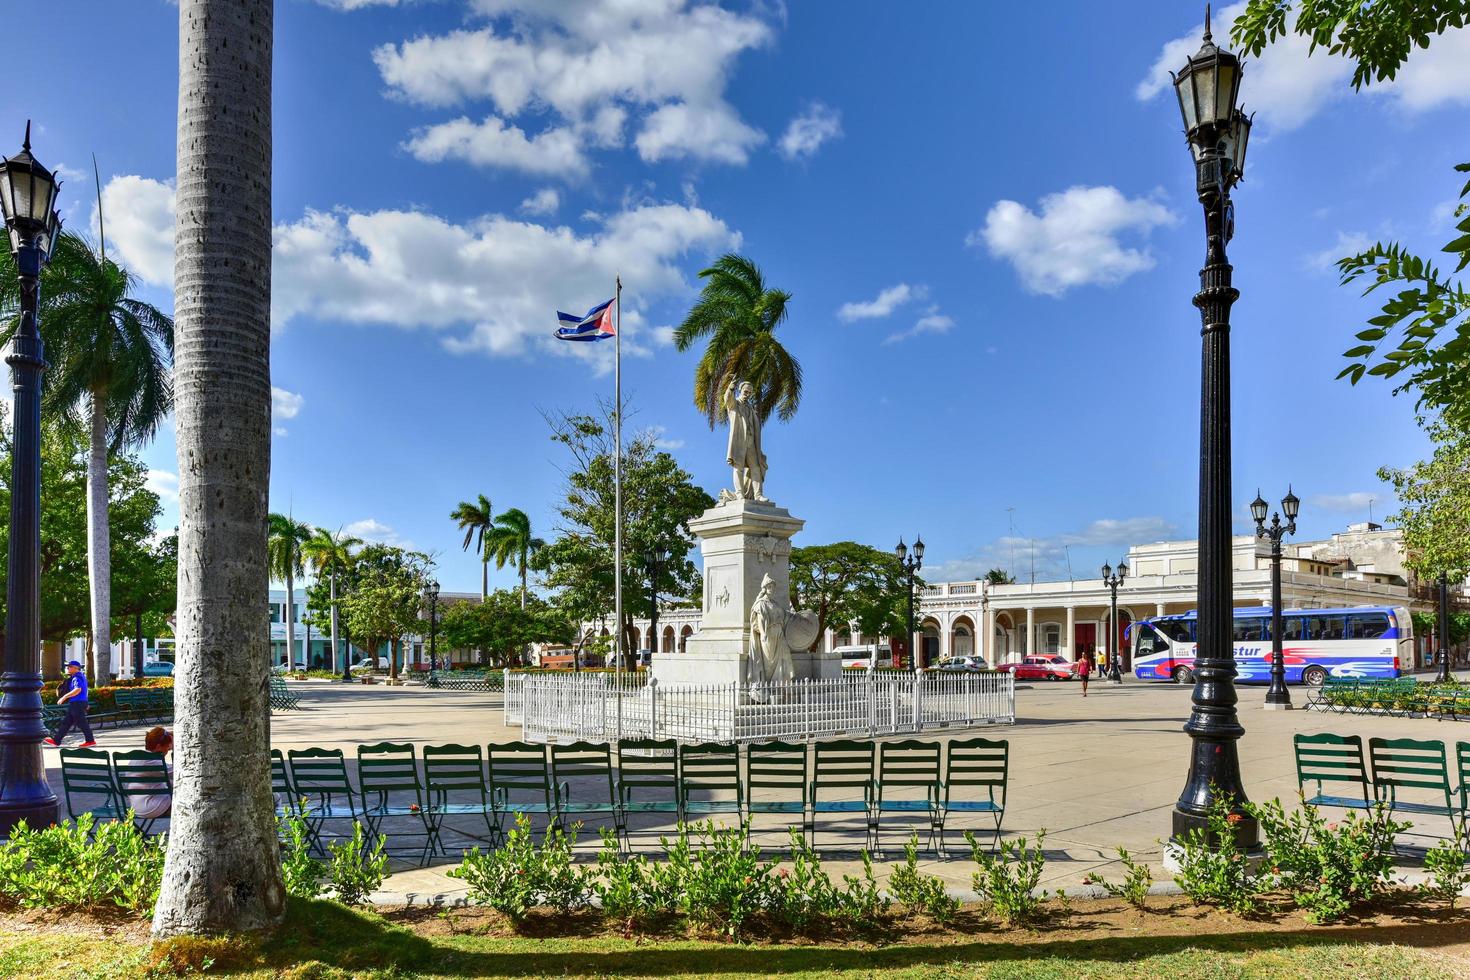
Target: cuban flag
x,y
596,325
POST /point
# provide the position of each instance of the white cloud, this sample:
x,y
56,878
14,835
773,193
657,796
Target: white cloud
x,y
806,133
163,483
491,143
702,132
285,405
544,201
1347,243
1357,502
1074,240
357,4
139,225
583,66
1286,87
882,305
372,529
932,322
1051,555
661,438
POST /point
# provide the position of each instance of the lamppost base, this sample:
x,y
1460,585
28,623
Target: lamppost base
x,y
1116,680
1278,706
37,815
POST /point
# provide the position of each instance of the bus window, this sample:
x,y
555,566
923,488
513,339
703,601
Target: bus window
x,y
1147,642
1247,630
1321,627
1292,628
1366,626
1178,630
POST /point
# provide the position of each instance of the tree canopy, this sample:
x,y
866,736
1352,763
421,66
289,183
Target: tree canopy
x,y
1434,506
847,582
384,601
501,628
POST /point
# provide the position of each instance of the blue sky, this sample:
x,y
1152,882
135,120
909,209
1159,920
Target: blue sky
x,y
985,214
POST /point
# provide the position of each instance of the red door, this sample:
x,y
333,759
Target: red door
x,y
1084,640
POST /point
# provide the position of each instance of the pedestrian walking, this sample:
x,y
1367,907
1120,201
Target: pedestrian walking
x,y
73,694
1084,671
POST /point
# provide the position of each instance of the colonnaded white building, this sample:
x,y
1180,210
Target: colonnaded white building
x,y
1360,566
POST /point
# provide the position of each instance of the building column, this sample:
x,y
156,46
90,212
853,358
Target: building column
x,y
1030,631
946,642
1071,638
829,639
985,644
1159,609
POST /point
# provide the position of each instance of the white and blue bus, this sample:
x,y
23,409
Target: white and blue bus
x,y
1361,642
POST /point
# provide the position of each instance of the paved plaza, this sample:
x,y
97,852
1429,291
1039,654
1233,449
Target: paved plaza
x,y
1097,773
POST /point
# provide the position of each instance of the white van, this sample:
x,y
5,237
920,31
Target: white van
x,y
861,655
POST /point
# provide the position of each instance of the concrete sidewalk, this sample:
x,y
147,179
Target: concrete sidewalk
x,y
1098,773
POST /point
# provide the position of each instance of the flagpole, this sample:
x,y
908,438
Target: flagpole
x,y
618,499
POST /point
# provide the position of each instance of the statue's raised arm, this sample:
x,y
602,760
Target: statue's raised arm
x,y
743,451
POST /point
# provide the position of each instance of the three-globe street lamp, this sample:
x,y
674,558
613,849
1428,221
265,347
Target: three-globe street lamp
x,y
1278,698
1217,132
910,564
657,556
431,596
1444,629
1113,579
27,199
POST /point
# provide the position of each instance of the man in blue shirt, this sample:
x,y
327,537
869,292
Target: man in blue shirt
x,y
73,694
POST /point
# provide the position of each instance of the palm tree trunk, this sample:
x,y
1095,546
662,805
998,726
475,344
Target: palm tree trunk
x,y
223,871
99,543
290,660
484,580
523,578
333,602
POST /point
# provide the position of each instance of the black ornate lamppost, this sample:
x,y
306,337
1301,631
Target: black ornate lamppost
x,y
1278,698
1444,629
910,564
27,198
657,557
1111,580
431,596
1217,132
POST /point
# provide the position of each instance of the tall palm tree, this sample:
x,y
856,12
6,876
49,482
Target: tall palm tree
x,y
475,519
111,360
510,540
283,552
739,314
223,870
330,553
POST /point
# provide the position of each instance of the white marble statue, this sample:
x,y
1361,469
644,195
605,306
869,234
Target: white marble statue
x,y
769,654
743,452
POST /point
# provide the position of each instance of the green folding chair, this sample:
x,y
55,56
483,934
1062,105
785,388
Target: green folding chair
x,y
908,783
141,773
320,778
389,787
843,766
778,771
1411,764
288,803
972,765
582,776
1462,757
457,769
1328,758
709,779
647,768
519,783
88,772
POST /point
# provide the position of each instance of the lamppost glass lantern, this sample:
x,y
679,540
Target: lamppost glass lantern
x,y
1107,571
1259,507
1207,86
1236,141
901,550
1290,505
919,549
1122,570
433,590
28,198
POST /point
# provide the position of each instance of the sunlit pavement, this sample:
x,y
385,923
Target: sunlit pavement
x,y
1097,773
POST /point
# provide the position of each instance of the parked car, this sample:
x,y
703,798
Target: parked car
x,y
1038,667
300,668
159,668
368,663
958,664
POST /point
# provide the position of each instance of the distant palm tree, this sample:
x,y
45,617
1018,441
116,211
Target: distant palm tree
x,y
111,374
330,553
510,540
283,549
739,315
475,519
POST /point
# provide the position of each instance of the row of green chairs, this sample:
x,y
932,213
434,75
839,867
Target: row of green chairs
x,y
152,705
281,696
115,779
1346,694
838,779
1393,769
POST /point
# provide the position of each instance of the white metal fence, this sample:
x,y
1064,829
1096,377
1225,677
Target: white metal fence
x,y
596,708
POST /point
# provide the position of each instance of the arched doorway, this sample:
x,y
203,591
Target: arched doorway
x,y
667,644
962,637
928,643
684,635
1001,642
1119,637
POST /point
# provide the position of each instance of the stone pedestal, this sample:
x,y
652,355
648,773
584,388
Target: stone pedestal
x,y
742,541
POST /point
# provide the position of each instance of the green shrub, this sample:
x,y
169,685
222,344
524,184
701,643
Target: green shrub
x,y
1448,867
1007,880
519,876
302,872
629,887
354,870
1213,869
1329,868
859,903
1133,889
917,893
720,881
81,865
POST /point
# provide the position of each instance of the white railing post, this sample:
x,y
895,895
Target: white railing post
x,y
918,701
